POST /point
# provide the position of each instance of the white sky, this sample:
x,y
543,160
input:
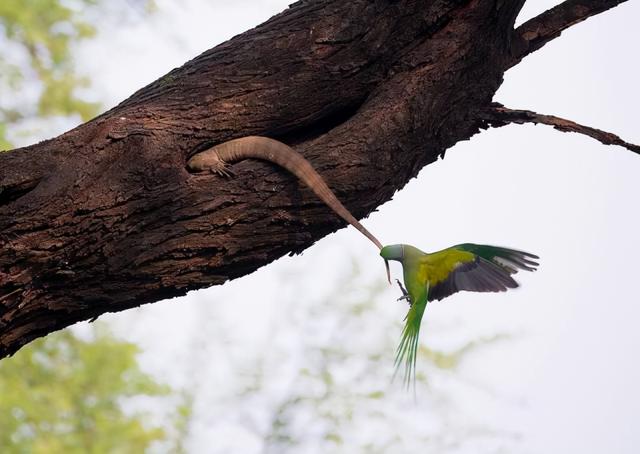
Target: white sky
x,y
567,381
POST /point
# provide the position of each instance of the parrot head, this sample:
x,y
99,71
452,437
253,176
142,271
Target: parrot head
x,y
393,252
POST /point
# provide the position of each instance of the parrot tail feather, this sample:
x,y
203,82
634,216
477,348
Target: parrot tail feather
x,y
408,349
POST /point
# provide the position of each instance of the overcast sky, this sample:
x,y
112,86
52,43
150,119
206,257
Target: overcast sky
x,y
567,380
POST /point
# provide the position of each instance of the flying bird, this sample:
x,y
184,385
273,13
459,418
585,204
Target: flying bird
x,y
434,276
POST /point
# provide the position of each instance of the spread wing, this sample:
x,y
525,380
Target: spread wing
x,y
476,268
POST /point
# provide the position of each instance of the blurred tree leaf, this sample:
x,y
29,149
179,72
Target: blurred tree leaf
x,y
37,39
41,33
67,394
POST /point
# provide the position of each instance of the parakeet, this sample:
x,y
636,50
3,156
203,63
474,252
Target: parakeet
x,y
427,277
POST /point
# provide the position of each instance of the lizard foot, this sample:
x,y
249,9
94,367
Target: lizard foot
x,y
223,169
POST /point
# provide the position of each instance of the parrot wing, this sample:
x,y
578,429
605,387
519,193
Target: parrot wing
x,y
476,268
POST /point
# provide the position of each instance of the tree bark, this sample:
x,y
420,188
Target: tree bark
x,y
106,216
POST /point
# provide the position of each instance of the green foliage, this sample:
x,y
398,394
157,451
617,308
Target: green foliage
x,y
39,34
4,143
37,39
66,394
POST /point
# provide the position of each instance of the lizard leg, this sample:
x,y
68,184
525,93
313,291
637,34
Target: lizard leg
x,y
223,169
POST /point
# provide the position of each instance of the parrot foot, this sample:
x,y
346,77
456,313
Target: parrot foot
x,y
405,294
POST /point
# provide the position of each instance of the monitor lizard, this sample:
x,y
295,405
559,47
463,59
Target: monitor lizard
x,y
217,159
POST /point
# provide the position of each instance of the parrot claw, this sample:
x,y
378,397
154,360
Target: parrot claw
x,y
405,294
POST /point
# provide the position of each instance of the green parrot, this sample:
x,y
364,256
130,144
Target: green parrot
x,y
427,277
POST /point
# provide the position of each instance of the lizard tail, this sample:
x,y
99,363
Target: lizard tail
x,y
271,150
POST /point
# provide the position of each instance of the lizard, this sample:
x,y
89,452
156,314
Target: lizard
x,y
216,160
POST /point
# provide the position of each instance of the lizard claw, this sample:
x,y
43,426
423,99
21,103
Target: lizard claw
x,y
224,170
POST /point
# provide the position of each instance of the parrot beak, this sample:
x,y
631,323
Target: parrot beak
x,y
386,264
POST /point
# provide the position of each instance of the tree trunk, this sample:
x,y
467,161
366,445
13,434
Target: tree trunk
x,y
106,217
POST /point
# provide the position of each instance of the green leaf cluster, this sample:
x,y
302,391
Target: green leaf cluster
x,y
66,394
37,38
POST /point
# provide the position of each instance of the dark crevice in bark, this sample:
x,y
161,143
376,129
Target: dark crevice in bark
x,y
320,127
11,193
369,91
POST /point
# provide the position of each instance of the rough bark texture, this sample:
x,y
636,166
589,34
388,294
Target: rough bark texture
x,y
106,216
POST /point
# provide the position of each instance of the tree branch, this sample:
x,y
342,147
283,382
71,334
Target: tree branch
x,y
498,115
106,216
538,31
